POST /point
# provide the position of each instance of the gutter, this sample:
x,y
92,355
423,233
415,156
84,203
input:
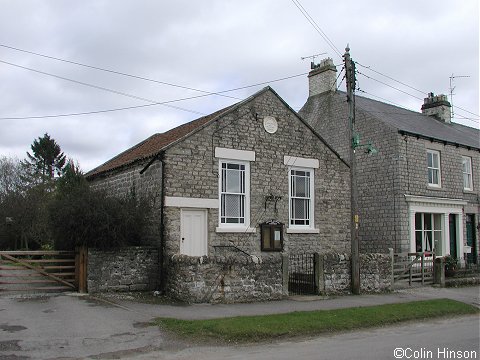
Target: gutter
x,y
444,142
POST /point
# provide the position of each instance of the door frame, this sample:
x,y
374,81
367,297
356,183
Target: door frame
x,y
442,206
472,223
453,220
205,220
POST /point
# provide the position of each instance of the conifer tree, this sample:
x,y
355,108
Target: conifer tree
x,y
46,161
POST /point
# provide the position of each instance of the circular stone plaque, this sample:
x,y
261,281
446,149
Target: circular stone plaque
x,y
270,124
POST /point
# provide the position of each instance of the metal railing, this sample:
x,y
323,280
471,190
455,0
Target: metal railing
x,y
301,274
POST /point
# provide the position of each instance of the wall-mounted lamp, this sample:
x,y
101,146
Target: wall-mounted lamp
x,y
370,149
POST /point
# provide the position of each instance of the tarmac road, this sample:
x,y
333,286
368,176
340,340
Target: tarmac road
x,y
70,326
51,327
426,340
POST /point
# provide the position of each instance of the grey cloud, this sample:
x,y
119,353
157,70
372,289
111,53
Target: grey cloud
x,y
224,45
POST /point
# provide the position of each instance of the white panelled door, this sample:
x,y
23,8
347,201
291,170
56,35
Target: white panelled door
x,y
193,232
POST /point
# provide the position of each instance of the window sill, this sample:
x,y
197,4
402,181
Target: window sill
x,y
434,187
468,191
302,231
235,230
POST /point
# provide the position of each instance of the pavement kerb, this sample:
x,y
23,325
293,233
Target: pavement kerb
x,y
470,295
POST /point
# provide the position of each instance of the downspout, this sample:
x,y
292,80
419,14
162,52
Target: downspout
x,y
161,252
161,245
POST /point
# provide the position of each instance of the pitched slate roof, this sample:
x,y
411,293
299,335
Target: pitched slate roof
x,y
153,145
403,120
416,123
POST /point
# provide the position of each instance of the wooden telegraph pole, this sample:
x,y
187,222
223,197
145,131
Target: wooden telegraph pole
x,y
351,81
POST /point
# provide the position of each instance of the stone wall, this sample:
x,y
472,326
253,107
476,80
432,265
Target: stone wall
x,y
335,273
124,269
241,278
399,168
227,279
375,272
191,171
122,182
377,175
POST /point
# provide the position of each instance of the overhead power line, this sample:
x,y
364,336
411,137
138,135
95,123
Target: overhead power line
x,y
383,99
316,27
335,49
112,71
393,87
476,122
416,97
471,113
404,84
152,102
391,78
101,87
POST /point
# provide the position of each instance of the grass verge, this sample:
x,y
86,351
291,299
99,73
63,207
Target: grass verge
x,y
267,327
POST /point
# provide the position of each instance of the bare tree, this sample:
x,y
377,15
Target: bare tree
x,y
11,180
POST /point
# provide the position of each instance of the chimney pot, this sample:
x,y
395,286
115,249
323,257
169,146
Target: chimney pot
x,y
322,78
438,107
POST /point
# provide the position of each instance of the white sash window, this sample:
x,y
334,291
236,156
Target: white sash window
x,y
301,197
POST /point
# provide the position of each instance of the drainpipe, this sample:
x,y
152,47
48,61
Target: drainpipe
x,y
162,229
161,245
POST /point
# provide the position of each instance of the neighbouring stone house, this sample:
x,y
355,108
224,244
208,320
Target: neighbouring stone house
x,y
421,191
214,182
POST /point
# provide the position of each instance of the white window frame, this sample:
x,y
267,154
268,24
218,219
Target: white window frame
x,y
234,227
467,173
311,218
446,207
434,236
432,168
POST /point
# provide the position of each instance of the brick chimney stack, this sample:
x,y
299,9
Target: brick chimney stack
x,y
438,107
322,78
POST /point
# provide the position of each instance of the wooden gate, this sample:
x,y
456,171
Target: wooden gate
x,y
42,271
413,268
301,274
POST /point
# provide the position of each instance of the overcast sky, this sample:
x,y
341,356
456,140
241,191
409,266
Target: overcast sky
x,y
213,46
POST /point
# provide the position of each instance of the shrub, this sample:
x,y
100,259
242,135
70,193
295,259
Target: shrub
x,y
80,216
